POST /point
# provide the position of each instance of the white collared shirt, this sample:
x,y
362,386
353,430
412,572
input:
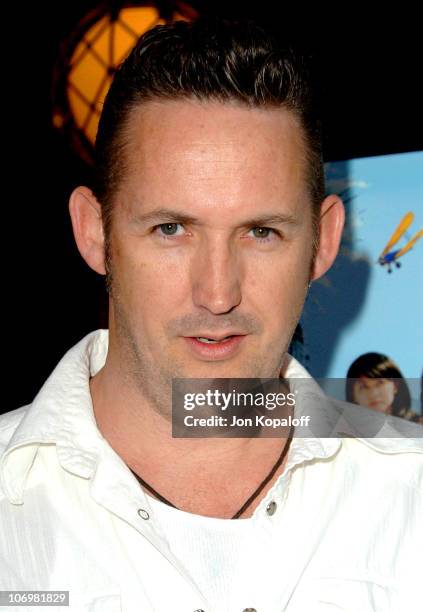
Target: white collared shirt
x,y
341,529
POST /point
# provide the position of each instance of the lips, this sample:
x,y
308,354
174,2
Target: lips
x,y
209,347
215,337
213,340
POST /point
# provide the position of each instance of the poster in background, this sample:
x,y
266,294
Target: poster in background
x,y
358,306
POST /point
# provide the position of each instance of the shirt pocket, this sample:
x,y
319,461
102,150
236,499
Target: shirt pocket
x,y
343,594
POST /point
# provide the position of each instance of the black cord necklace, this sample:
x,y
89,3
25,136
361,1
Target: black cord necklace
x,y
249,500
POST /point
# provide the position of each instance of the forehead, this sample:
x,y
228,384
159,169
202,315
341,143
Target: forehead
x,y
214,150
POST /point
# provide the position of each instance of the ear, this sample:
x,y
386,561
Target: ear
x,y
87,226
332,218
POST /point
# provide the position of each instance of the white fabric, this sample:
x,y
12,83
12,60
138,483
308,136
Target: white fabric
x,y
346,535
211,549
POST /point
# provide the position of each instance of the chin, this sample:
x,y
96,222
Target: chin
x,y
380,408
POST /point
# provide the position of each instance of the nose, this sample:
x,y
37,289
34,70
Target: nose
x,y
374,392
216,276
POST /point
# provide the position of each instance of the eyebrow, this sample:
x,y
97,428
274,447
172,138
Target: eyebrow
x,y
167,215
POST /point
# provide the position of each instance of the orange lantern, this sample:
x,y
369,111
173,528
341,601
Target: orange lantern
x,y
89,58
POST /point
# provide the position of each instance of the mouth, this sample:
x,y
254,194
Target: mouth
x,y
213,340
214,348
381,406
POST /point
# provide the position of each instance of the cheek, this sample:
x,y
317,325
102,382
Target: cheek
x,y
280,280
148,281
360,396
390,392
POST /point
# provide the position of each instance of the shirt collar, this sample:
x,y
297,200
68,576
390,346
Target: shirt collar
x,y
307,392
62,414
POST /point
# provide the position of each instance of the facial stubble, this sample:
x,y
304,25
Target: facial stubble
x,y
151,380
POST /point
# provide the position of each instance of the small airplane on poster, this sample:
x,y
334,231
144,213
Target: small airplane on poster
x,y
389,257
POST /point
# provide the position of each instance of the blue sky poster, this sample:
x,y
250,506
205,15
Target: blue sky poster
x,y
359,307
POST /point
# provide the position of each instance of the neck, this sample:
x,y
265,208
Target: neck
x,y
143,439
140,435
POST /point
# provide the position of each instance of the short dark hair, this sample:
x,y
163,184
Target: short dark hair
x,y
209,59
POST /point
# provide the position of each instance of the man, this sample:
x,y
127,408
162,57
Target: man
x,y
209,219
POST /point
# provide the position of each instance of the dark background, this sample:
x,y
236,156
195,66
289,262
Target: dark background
x,y
371,74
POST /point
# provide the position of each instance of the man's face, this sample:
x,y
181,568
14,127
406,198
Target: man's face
x,y
211,237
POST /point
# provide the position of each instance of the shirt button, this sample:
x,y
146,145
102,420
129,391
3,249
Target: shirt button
x,y
271,508
249,610
143,514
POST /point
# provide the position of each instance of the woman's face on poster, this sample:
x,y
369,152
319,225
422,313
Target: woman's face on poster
x,y
375,393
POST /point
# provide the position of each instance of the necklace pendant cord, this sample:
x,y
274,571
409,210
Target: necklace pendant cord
x,y
249,500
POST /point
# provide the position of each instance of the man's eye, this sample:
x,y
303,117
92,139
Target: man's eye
x,y
261,232
169,229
